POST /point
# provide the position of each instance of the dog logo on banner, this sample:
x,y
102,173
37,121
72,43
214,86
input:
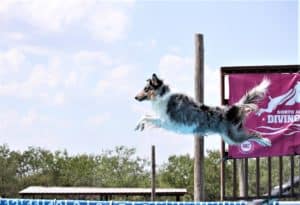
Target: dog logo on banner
x,y
284,113
290,98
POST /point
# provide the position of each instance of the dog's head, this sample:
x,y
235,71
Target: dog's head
x,y
155,87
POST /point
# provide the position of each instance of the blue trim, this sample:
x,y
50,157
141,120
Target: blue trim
x,y
86,202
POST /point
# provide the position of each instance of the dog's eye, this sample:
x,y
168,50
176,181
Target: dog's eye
x,y
146,89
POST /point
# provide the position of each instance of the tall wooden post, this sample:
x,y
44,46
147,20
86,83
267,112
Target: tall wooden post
x,y
241,174
199,140
153,173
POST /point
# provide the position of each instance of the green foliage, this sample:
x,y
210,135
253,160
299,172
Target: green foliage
x,y
178,173
212,176
8,173
122,168
40,167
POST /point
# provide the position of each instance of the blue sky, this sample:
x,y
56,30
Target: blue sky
x,y
70,69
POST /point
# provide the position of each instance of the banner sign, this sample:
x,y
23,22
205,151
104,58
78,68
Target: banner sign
x,y
278,116
83,202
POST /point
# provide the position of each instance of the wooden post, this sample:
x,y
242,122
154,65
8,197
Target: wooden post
x,y
280,175
269,176
257,177
234,182
241,173
153,173
222,154
199,140
292,174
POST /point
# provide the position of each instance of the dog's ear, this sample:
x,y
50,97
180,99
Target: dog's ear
x,y
154,76
156,81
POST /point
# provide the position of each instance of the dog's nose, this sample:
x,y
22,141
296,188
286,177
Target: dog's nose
x,y
136,97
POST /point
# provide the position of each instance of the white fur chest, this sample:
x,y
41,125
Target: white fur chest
x,y
160,106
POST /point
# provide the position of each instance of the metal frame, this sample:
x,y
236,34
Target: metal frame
x,y
224,155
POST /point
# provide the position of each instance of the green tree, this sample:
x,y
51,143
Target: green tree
x,y
8,175
79,170
178,173
121,168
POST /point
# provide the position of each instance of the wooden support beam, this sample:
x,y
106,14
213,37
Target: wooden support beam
x,y
153,174
199,140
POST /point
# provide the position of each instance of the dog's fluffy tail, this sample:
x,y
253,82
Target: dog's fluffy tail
x,y
253,96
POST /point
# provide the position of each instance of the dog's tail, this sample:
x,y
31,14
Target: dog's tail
x,y
253,96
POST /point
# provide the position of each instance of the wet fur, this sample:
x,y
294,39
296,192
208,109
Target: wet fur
x,y
181,113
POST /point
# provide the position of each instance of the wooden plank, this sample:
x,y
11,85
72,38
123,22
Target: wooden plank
x,y
261,69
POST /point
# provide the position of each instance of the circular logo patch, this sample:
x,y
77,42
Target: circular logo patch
x,y
246,147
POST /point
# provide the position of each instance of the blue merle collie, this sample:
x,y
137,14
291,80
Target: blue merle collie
x,y
180,113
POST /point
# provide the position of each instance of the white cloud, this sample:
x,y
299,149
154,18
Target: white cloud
x,y
98,120
212,85
92,57
62,74
179,71
108,25
11,60
8,118
106,21
43,76
6,5
59,98
71,79
153,43
145,44
118,80
30,118
102,86
120,72
42,81
35,50
13,119
53,15
13,36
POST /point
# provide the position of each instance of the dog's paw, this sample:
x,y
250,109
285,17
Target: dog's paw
x,y
147,121
265,142
259,112
142,123
140,126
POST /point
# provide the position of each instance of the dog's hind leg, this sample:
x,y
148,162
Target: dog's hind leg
x,y
238,136
256,137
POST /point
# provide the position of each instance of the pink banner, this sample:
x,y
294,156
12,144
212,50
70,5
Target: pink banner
x,y
278,116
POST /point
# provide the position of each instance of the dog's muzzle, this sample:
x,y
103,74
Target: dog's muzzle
x,y
140,97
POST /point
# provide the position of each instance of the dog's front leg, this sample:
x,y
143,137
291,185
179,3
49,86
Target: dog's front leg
x,y
148,121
